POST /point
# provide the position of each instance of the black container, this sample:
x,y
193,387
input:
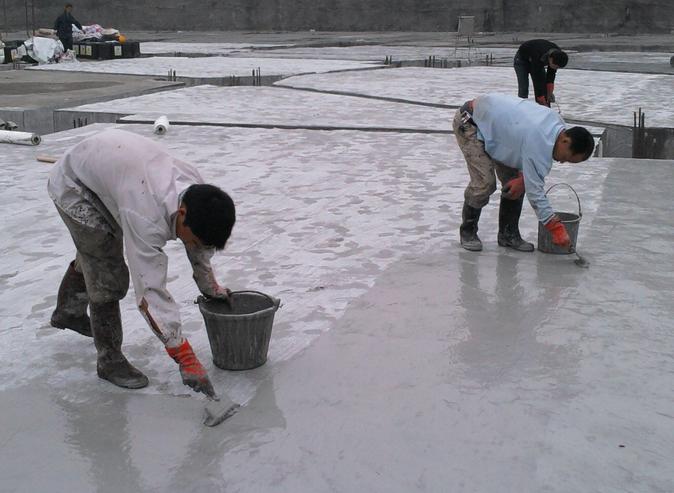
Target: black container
x,y
131,49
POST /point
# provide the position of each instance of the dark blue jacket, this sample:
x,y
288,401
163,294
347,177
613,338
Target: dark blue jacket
x,y
537,52
64,25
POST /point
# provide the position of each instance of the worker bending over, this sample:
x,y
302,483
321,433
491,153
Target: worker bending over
x,y
541,59
518,139
119,191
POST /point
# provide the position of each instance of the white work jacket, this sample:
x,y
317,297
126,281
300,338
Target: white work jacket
x,y
140,184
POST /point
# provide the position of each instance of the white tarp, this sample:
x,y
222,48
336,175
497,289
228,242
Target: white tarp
x,y
44,50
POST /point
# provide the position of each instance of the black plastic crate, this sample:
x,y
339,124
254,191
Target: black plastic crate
x,y
131,49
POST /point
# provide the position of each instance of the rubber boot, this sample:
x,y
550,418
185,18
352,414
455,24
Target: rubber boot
x,y
468,231
106,325
508,226
71,303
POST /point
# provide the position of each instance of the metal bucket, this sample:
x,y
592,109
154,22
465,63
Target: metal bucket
x,y
239,334
570,220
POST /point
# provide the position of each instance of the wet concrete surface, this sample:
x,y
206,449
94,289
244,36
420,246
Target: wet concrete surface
x,y
399,362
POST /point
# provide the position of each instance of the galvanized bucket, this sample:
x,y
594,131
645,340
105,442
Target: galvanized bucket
x,y
239,334
570,220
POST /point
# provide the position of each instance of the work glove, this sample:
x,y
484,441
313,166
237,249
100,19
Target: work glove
x,y
220,293
560,237
543,101
551,92
193,374
514,188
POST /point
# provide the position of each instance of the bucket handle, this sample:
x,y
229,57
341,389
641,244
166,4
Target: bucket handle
x,y
580,212
276,302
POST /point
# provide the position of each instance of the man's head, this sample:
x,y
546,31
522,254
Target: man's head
x,y
206,217
68,7
558,59
573,145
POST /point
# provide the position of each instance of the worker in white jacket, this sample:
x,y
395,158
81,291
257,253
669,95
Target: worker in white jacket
x,y
119,191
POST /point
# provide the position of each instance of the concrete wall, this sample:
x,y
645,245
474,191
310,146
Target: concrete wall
x,y
355,15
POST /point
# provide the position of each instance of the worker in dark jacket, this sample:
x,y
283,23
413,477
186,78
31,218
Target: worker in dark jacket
x,y
540,58
64,27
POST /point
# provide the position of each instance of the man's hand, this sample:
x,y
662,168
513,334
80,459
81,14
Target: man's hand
x,y
514,188
543,101
220,293
560,237
551,92
192,372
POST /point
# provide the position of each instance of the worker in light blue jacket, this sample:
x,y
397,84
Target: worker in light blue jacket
x,y
517,140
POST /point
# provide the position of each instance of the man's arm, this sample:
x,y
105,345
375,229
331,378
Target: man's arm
x,y
534,185
538,77
148,266
76,22
203,273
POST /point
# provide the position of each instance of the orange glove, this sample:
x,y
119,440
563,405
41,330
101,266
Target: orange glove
x,y
543,101
514,188
559,235
194,375
551,92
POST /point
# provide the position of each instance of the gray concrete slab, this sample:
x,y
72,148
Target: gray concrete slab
x,y
399,362
263,106
206,70
599,97
29,97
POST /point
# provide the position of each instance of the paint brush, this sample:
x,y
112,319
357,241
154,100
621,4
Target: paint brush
x,y
217,410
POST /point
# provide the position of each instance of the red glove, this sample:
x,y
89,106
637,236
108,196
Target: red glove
x,y
194,375
559,235
514,188
542,100
551,89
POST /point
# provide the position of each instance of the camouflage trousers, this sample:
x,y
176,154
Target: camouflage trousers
x,y
98,240
481,167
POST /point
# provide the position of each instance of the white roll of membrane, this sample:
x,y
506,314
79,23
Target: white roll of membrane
x,y
21,138
161,125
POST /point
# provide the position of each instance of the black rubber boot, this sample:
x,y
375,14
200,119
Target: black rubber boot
x,y
106,324
468,231
71,303
508,226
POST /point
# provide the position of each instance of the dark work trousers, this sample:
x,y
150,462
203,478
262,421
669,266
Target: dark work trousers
x,y
67,43
522,69
98,240
481,167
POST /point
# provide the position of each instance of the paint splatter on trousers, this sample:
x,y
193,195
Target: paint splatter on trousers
x,y
98,240
481,167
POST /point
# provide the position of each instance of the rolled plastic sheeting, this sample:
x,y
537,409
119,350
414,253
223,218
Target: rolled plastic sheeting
x,y
161,125
21,138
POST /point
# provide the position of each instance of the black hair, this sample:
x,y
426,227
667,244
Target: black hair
x,y
68,5
210,214
582,141
559,58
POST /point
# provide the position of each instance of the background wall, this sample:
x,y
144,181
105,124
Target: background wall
x,y
353,15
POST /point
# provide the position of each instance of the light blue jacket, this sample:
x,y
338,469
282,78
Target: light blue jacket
x,y
520,134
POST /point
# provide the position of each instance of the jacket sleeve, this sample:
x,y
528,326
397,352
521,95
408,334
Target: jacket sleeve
x,y
77,23
550,75
538,78
203,274
534,184
148,266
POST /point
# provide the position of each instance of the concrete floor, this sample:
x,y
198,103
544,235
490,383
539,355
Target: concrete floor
x,y
399,362
29,97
